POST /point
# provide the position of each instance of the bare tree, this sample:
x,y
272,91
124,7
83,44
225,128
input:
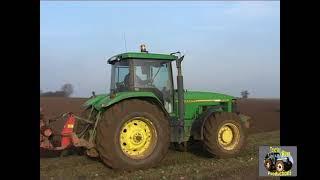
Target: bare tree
x,y
245,94
67,89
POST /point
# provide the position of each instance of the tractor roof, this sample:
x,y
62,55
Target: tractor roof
x,y
142,55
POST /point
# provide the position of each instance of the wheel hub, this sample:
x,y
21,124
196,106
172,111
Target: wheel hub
x,y
137,138
228,136
280,167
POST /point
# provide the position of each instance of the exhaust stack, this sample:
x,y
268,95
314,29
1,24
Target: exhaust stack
x,y
180,96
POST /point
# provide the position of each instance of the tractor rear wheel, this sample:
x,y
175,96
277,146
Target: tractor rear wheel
x,y
133,134
268,164
224,134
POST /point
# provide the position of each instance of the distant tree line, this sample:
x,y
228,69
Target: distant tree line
x,y
245,94
65,91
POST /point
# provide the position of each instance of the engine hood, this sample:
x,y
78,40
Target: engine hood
x,y
198,95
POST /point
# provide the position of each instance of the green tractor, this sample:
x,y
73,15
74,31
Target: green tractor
x,y
132,126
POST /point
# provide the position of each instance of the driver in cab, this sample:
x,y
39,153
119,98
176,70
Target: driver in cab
x,y
137,81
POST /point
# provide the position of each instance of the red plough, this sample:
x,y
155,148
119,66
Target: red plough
x,y
68,137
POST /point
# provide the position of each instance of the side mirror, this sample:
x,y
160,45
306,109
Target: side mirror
x,y
178,61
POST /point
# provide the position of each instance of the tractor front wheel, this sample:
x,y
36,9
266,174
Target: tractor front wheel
x,y
280,166
224,134
133,134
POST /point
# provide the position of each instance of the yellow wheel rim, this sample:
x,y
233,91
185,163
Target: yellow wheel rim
x,y
228,136
138,138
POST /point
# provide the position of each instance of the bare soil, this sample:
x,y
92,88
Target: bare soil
x,y
265,113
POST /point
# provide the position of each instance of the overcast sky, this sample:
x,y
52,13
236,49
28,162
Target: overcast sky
x,y
229,46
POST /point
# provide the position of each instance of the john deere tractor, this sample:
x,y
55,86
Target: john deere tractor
x,y
275,162
133,126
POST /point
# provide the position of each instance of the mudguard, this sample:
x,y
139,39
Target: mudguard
x,y
100,102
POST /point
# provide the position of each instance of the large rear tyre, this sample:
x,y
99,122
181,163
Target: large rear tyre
x,y
224,134
133,134
268,165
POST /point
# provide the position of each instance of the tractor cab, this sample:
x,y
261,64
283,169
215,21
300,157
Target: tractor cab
x,y
144,72
273,156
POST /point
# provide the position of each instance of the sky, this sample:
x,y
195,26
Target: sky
x,y
229,46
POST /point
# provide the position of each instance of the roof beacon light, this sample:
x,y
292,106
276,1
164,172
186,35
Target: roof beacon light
x,y
143,48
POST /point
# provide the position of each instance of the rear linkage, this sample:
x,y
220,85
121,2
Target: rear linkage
x,y
68,137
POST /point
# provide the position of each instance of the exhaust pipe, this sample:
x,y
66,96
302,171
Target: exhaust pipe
x,y
180,97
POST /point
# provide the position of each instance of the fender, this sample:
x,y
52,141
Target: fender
x,y
197,126
93,100
101,102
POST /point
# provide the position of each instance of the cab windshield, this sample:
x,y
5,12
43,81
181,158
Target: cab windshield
x,y
144,75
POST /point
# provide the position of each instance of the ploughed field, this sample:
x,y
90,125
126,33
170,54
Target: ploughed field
x,y
265,113
194,164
